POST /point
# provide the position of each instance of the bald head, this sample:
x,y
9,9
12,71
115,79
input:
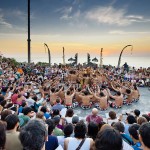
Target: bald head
x,y
94,111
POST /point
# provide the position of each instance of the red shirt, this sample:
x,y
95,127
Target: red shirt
x,y
92,118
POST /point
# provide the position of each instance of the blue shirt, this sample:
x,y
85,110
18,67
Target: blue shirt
x,y
52,143
58,106
137,146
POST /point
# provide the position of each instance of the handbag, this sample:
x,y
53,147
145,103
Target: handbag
x,y
80,145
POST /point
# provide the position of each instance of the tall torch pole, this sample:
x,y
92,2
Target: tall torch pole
x,y
29,40
63,56
101,58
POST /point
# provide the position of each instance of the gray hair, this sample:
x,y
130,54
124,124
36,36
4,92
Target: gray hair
x,y
33,135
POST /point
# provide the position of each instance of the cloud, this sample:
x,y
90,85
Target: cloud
x,y
112,16
125,33
66,12
108,15
137,18
4,23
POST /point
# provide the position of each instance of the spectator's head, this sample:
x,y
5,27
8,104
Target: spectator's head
x,y
5,113
51,126
112,115
108,139
35,98
69,112
3,103
40,115
2,135
119,126
68,130
33,135
131,119
12,122
24,104
92,130
56,112
58,100
56,119
1,98
147,117
75,119
44,109
137,112
133,130
27,111
101,124
80,130
144,135
141,120
94,111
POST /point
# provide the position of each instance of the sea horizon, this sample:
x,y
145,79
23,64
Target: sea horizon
x,y
135,61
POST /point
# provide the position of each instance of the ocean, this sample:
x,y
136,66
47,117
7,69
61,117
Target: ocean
x,y
131,61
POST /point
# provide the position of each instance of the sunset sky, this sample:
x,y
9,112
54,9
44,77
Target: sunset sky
x,y
83,26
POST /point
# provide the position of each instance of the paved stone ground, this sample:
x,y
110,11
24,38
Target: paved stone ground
x,y
143,105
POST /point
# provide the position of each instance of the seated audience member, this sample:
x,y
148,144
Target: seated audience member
x,y
120,127
40,115
58,105
69,115
27,114
33,135
147,117
62,121
75,120
94,117
2,135
144,136
46,113
73,143
133,130
57,131
112,117
129,121
52,142
136,113
12,135
141,120
5,113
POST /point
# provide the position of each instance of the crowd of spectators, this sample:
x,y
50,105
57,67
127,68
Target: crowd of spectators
x,y
36,108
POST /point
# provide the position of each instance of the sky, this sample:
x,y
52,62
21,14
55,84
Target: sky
x,y
81,26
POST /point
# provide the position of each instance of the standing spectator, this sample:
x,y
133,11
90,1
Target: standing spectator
x,y
2,135
92,130
69,115
129,121
108,139
144,136
33,135
12,135
79,136
27,113
133,130
52,142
